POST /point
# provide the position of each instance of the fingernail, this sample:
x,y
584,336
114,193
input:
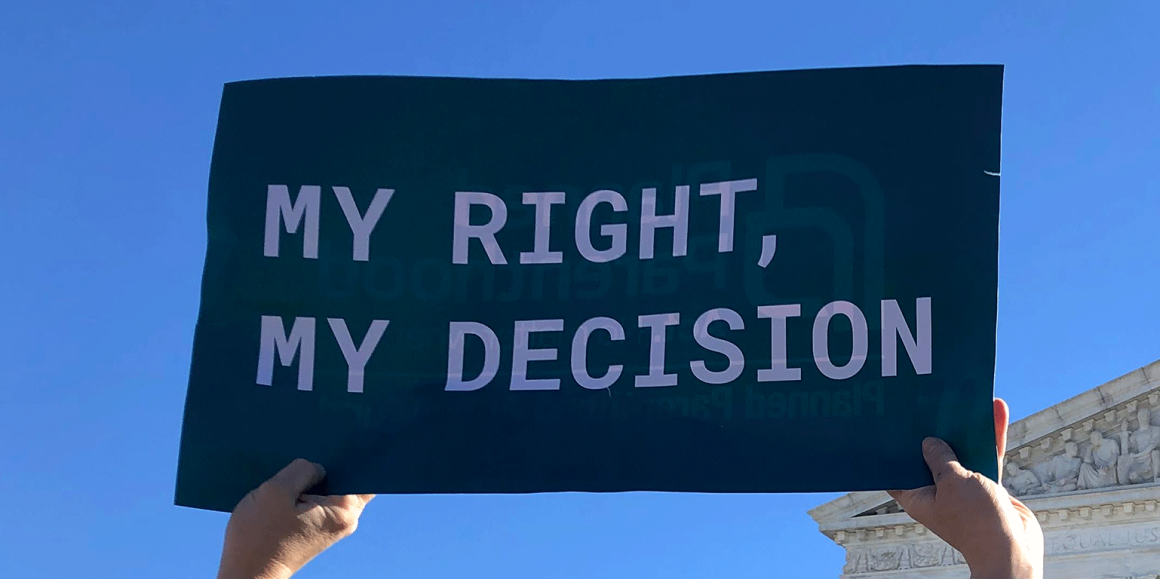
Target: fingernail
x,y
929,443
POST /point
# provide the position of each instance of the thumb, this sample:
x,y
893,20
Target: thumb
x,y
941,460
298,476
917,502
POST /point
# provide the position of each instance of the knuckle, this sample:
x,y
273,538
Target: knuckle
x,y
342,502
351,503
342,524
975,482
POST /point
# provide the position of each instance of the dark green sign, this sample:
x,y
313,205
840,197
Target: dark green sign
x,y
762,282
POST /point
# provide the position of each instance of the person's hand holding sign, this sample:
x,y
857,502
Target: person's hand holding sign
x,y
276,529
997,534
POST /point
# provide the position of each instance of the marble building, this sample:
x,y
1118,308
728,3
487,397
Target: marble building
x,y
1090,469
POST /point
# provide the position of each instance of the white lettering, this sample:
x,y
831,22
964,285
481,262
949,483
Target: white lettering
x,y
779,371
458,332
822,340
656,376
540,252
274,337
356,358
362,226
522,354
485,233
718,345
917,344
650,222
279,209
618,232
728,191
580,353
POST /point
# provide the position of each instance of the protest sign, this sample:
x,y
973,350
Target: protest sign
x,y
758,282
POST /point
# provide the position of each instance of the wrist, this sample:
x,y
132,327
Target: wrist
x,y
1014,565
271,571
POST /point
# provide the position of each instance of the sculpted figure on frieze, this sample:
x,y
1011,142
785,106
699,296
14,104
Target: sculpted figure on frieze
x,y
1140,462
1061,473
1020,482
1099,463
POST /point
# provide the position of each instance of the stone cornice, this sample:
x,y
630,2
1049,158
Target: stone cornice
x,y
1115,506
848,505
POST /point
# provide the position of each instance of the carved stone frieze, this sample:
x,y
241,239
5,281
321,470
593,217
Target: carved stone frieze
x,y
901,557
1123,455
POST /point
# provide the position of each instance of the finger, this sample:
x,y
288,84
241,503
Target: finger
x,y
298,476
942,460
1002,417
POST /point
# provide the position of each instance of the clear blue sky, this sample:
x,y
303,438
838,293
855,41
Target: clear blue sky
x,y
107,117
